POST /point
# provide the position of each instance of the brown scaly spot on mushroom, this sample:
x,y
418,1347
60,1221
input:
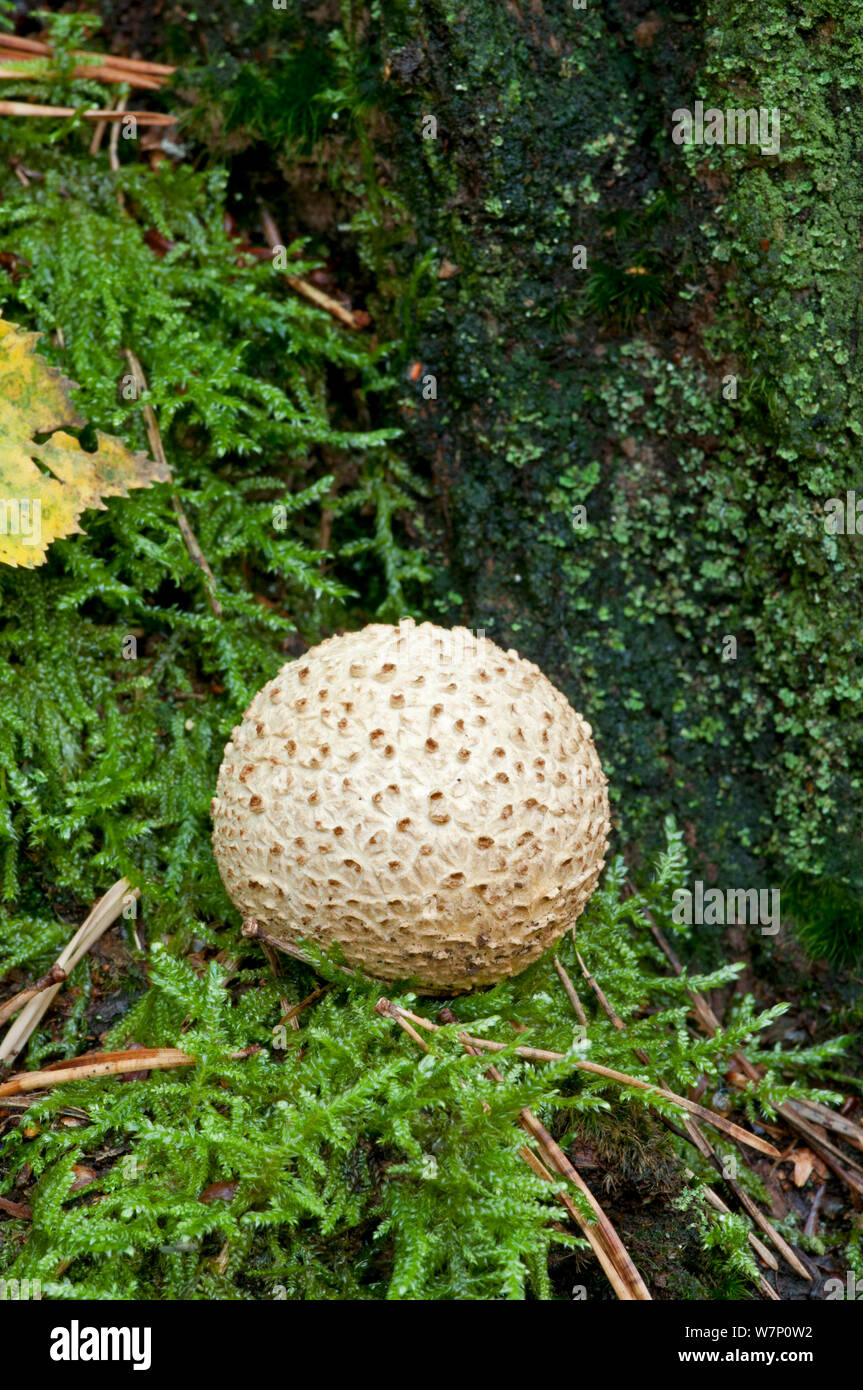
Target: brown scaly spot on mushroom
x,y
471,911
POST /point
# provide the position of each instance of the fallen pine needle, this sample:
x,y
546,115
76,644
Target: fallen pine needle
x,y
104,1064
83,1068
56,975
322,300
615,1019
30,70
296,1009
749,1206
310,292
694,1135
536,1054
42,50
27,108
844,1167
714,1200
571,994
603,1238
104,913
190,540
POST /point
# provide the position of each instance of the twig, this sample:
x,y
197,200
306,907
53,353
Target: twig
x,y
27,108
310,292
105,1064
105,912
306,1003
570,993
536,1054
196,554
56,975
615,1018
43,50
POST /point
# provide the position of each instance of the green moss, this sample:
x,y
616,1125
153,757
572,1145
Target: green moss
x,y
339,1162
274,420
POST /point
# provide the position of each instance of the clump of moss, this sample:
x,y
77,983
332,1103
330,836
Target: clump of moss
x,y
339,1161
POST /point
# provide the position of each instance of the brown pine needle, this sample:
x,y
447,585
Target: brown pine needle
x,y
819,1114
766,1290
42,50
114,160
251,928
18,69
27,108
56,975
310,292
602,1237
765,1255
322,300
196,554
83,1068
384,1006
695,1136
614,1017
105,1064
570,993
750,1207
104,913
536,1054
614,1248
306,1003
98,135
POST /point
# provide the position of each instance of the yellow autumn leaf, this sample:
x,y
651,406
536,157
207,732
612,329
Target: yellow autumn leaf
x,y
44,487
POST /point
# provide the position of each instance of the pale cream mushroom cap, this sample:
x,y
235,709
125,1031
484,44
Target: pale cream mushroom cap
x,y
420,799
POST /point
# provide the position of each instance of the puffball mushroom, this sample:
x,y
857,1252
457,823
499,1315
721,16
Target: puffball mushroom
x,y
421,800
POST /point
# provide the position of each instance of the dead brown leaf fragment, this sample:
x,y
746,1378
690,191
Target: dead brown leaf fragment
x,y
20,1210
44,487
219,1192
